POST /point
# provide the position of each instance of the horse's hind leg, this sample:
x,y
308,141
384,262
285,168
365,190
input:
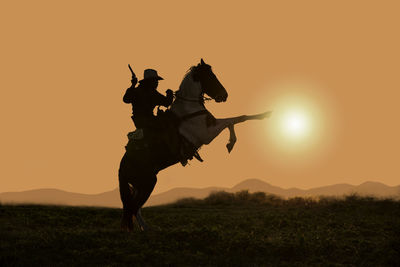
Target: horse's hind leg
x,y
127,215
143,189
126,194
143,226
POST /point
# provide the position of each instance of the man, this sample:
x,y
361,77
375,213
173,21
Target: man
x,y
144,98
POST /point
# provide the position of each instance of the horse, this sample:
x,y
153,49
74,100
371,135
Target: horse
x,y
139,168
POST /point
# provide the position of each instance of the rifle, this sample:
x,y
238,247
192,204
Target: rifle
x,y
134,79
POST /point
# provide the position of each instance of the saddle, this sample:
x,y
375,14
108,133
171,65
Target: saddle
x,y
167,135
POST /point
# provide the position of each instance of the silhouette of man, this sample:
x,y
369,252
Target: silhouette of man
x,y
144,98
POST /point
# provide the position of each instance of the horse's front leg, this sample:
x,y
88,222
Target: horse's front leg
x,y
243,118
231,127
205,137
260,116
232,138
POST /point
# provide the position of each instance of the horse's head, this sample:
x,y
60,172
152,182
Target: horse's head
x,y
209,82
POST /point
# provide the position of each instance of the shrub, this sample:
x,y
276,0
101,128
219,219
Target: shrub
x,y
262,198
220,197
226,198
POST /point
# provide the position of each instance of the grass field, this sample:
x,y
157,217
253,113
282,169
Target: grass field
x,y
225,229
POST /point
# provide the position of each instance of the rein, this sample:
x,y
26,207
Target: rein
x,y
200,99
196,113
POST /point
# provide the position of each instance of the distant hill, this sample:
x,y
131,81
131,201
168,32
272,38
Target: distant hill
x,y
368,188
180,192
60,197
111,198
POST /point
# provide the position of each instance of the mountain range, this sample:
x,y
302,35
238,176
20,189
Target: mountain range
x,y
111,198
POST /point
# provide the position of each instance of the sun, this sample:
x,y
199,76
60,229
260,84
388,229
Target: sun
x,y
294,127
295,124
298,124
302,127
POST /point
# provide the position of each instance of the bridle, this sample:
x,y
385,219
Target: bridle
x,y
201,99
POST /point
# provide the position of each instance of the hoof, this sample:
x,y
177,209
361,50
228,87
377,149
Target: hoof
x,y
266,115
229,146
142,225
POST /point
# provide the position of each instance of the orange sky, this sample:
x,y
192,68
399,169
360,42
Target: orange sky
x,y
64,71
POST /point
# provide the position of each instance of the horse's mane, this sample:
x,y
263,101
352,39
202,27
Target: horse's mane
x,y
195,76
189,71
192,70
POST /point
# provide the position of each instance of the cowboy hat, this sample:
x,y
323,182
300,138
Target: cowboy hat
x,y
150,74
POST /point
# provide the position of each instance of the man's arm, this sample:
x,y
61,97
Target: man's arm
x,y
128,97
164,100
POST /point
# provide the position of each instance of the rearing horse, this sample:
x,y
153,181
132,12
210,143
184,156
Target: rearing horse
x,y
138,168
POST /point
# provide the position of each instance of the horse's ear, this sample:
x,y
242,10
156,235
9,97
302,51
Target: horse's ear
x,y
202,62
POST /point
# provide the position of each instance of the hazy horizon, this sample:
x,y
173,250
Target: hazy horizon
x,y
203,187
112,198
64,73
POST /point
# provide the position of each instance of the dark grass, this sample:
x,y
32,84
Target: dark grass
x,y
224,229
